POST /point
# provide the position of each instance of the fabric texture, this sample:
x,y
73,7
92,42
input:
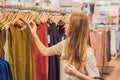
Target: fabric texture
x,y
113,43
109,45
5,70
6,48
117,33
41,62
21,53
56,34
99,44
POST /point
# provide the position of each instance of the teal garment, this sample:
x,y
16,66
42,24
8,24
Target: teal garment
x,y
21,53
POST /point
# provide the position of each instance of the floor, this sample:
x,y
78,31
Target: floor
x,y
105,72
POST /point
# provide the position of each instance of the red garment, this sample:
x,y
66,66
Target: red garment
x,y
41,62
99,44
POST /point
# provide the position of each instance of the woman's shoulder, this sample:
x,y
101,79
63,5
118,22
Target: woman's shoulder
x,y
89,52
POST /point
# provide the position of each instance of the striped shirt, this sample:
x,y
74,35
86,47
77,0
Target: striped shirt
x,y
90,63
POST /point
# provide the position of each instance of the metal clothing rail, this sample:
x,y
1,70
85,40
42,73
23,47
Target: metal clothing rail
x,y
21,8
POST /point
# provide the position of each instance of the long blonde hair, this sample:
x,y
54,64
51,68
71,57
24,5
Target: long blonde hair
x,y
77,40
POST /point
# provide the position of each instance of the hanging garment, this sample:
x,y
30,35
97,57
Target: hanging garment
x,y
53,33
109,45
6,48
41,62
99,44
2,41
5,70
54,61
21,53
117,33
61,32
113,44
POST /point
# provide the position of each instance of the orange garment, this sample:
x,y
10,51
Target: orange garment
x,y
99,44
41,62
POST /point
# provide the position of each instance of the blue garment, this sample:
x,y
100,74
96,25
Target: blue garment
x,y
2,71
5,71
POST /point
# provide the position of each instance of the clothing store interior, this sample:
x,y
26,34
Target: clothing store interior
x,y
22,53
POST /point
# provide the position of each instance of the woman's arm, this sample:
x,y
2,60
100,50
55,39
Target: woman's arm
x,y
82,76
42,49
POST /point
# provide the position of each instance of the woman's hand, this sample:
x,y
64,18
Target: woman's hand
x,y
33,27
71,70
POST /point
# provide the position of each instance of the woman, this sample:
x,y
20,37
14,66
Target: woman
x,y
75,51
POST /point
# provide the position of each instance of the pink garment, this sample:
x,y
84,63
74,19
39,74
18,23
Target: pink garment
x,y
99,44
41,62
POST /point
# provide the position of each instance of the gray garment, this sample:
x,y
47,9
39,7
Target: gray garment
x,y
90,63
118,40
113,43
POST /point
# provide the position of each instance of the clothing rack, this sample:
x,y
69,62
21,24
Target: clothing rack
x,y
19,8
106,27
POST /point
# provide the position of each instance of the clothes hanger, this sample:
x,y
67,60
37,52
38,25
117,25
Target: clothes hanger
x,y
38,18
6,27
3,27
1,24
2,16
61,23
4,21
49,21
30,18
53,18
41,17
6,16
26,16
57,20
22,18
16,17
45,18
9,17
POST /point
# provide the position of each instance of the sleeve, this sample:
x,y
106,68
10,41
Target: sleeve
x,y
58,48
91,65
